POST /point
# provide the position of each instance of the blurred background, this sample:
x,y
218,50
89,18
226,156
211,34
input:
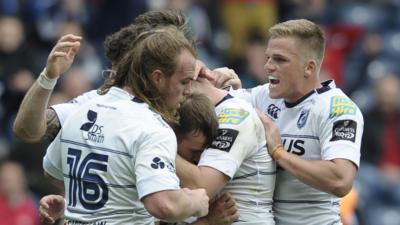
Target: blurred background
x,y
362,55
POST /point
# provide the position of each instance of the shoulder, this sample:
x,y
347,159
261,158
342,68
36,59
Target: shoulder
x,y
234,112
334,106
85,97
142,114
336,103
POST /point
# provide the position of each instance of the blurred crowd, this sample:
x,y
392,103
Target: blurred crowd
x,y
362,55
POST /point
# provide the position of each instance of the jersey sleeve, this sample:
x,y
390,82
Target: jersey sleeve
x,y
52,162
64,109
155,163
341,129
235,141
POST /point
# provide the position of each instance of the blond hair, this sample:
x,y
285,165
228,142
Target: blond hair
x,y
308,33
152,50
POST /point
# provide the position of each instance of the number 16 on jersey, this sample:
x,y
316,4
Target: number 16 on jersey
x,y
84,184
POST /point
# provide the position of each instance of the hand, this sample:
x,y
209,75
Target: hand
x,y
272,133
51,209
199,197
226,77
62,55
223,211
202,71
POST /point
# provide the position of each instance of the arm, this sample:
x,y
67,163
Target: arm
x,y
226,77
177,205
51,208
58,183
223,211
30,122
335,176
193,177
53,126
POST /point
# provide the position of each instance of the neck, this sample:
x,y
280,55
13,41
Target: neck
x,y
305,88
127,89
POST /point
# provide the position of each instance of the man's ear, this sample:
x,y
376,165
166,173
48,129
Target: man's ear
x,y
310,69
158,77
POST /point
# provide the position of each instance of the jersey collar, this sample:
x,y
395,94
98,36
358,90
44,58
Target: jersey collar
x,y
120,93
228,96
326,86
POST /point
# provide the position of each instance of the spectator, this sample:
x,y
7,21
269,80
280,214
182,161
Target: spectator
x,y
17,207
379,175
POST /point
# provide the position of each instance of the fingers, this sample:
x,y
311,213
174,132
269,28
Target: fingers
x,y
272,133
264,119
43,202
224,76
61,46
45,217
225,197
235,216
73,50
70,37
202,71
63,49
230,203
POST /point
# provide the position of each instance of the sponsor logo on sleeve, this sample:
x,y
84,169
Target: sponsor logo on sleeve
x,y
341,105
157,163
225,139
303,118
171,167
232,116
344,130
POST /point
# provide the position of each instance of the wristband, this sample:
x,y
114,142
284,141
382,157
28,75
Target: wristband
x,y
45,82
276,153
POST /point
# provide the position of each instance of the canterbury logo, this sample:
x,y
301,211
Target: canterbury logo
x,y
273,111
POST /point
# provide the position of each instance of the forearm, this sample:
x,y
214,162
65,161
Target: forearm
x,y
57,183
189,174
30,122
333,177
192,176
171,206
184,207
201,221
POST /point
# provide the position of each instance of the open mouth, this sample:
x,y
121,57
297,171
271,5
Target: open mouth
x,y
273,80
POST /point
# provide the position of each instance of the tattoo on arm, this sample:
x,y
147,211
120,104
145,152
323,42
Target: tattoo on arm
x,y
53,126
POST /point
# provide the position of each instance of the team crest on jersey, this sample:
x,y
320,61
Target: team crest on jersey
x,y
225,139
341,105
232,116
303,118
93,132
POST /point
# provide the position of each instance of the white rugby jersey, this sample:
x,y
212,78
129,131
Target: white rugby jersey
x,y
110,154
64,109
324,125
240,152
